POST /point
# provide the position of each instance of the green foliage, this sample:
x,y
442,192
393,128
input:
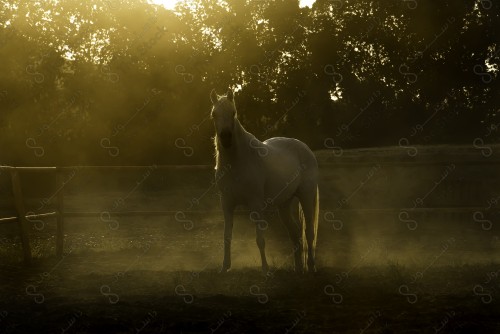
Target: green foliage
x,y
128,82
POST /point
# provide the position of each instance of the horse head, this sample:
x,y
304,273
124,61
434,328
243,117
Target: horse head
x,y
224,115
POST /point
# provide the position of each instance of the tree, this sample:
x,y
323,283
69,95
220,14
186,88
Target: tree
x,y
127,82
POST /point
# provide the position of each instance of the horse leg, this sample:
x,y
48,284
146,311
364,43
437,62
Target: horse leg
x,y
261,226
228,235
261,243
294,228
308,201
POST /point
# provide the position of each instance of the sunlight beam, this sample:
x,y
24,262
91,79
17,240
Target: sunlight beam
x,y
168,4
306,3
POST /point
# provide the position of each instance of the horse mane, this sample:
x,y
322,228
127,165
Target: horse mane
x,y
243,147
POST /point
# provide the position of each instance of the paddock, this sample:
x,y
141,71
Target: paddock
x,y
138,248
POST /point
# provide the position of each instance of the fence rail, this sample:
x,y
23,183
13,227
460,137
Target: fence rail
x,y
23,217
66,168
28,216
327,163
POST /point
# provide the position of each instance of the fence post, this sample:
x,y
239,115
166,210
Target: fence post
x,y
60,213
21,213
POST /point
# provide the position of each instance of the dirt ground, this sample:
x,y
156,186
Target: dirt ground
x,y
149,279
378,271
57,297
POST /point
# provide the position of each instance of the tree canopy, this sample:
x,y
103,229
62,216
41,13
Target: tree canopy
x,y
128,82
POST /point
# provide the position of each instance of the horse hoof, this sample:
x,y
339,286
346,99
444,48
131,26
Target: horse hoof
x,y
224,270
269,274
299,272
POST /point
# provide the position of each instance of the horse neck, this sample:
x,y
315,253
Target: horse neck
x,y
241,150
243,137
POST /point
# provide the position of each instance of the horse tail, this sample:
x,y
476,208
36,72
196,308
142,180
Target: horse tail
x,y
302,220
313,225
316,218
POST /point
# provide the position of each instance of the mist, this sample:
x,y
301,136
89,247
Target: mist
x,y
119,225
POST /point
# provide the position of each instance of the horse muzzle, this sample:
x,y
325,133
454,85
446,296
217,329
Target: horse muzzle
x,y
226,138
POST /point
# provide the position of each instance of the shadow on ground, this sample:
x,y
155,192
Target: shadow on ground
x,y
86,294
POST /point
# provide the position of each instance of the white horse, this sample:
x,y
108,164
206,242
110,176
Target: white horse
x,y
259,174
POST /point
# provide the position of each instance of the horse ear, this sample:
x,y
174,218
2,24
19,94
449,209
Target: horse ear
x,y
229,95
213,96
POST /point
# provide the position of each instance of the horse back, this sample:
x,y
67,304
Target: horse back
x,y
289,164
290,152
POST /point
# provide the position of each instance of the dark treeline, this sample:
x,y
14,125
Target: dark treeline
x,y
127,82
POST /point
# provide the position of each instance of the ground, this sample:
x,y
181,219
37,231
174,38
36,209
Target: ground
x,y
447,300
118,283
394,270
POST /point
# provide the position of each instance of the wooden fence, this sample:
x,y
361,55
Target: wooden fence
x,y
23,217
